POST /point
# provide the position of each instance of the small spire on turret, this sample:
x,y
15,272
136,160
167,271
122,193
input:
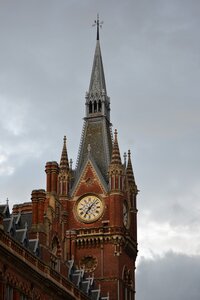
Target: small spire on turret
x,y
116,159
125,157
64,172
129,169
116,169
64,163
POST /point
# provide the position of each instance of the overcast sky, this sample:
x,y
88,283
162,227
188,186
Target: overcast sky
x,y
151,56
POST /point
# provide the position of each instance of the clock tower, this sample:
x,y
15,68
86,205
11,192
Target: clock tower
x,y
98,198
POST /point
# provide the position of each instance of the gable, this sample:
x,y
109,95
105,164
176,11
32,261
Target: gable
x,y
89,181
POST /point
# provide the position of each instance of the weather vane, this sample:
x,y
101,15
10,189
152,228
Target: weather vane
x,y
98,24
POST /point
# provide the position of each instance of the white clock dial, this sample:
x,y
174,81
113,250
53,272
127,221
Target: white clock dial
x,y
89,208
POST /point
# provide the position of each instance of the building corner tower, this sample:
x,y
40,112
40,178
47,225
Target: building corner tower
x,y
101,207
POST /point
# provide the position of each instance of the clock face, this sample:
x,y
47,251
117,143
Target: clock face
x,y
125,215
88,263
89,208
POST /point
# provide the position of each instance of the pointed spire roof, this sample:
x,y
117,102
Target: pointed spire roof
x,y
116,158
97,127
129,169
97,81
64,163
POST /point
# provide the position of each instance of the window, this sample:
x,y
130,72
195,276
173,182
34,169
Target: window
x,y
95,106
99,106
90,107
9,292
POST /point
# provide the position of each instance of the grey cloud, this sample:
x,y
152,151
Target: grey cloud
x,y
173,276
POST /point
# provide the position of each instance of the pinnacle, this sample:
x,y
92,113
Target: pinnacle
x,y
64,163
129,169
116,159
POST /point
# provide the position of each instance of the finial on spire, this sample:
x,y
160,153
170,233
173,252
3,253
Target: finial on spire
x,y
115,133
125,156
7,201
64,139
64,164
98,24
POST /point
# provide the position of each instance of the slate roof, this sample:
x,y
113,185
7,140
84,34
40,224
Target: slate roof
x,y
17,226
96,133
4,210
85,283
97,81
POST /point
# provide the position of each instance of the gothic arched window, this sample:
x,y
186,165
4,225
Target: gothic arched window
x,y
95,106
90,107
99,106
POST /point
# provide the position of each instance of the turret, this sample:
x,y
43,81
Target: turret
x,y
116,169
131,181
64,173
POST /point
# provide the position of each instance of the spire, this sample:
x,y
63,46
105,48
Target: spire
x,y
97,101
116,159
97,80
64,172
97,126
64,164
129,169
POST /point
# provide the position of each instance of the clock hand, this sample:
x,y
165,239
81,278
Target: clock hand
x,y
89,208
93,204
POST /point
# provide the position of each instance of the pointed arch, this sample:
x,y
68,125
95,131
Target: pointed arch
x,y
95,106
99,105
90,107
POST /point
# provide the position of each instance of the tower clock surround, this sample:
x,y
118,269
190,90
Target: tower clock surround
x,y
89,208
